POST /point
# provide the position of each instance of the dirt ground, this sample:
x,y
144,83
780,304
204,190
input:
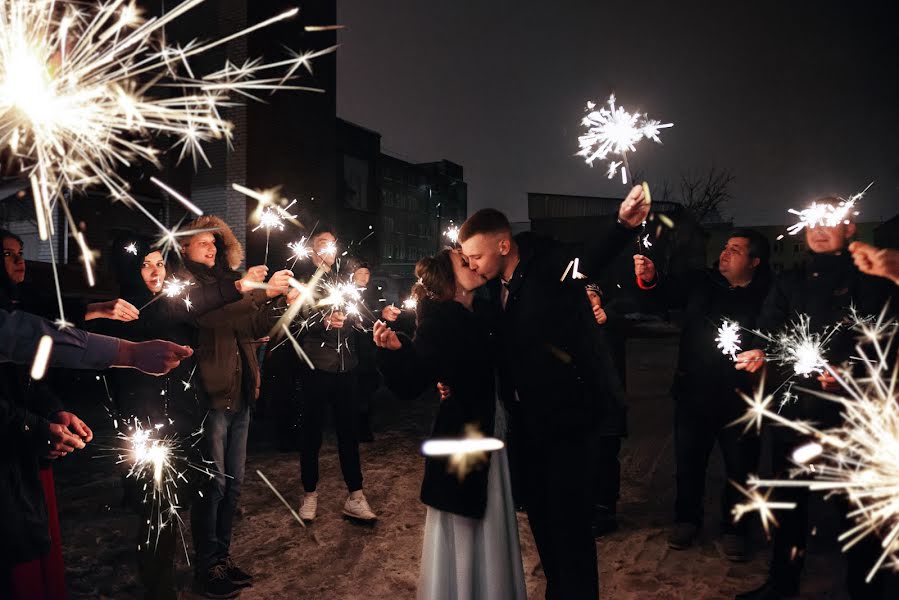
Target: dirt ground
x,y
335,559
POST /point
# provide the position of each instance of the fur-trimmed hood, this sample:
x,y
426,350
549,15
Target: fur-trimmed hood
x,y
230,252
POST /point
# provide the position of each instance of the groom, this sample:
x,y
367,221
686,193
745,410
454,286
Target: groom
x,y
548,377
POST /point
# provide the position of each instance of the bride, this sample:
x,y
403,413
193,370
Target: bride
x,y
471,549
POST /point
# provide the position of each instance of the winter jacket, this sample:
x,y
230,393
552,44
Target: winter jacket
x,y
226,352
706,379
824,287
548,363
456,347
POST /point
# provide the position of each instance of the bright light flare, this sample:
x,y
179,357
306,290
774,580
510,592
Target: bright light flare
x,y
728,339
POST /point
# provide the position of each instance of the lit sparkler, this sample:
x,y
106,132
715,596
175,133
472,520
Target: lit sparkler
x,y
273,217
452,234
614,131
85,89
826,215
860,458
172,288
464,453
798,346
729,338
299,250
131,248
410,303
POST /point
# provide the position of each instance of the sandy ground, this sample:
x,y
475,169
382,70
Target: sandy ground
x,y
336,559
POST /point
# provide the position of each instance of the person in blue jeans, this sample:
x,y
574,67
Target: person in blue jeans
x,y
228,373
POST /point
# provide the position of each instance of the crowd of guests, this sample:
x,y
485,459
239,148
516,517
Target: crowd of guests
x,y
515,352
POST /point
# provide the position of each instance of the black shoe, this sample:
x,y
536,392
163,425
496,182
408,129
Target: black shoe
x,y
733,547
682,535
238,576
216,584
770,591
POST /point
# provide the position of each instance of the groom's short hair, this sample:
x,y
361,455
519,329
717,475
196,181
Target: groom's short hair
x,y
486,220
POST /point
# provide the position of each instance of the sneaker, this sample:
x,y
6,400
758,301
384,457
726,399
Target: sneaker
x,y
770,591
733,547
238,576
356,507
682,535
309,507
217,585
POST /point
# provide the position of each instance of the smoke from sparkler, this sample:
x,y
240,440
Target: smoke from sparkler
x,y
614,131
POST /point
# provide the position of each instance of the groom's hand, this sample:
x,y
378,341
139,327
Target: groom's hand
x,y
635,208
444,391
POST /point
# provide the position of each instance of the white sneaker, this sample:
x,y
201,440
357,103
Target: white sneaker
x,y
309,507
356,507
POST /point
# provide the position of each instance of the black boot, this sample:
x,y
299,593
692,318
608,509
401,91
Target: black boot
x,y
771,590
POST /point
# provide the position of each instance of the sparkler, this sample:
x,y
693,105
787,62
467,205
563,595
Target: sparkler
x,y
299,250
452,234
464,453
41,357
826,215
410,303
85,89
860,458
729,338
131,248
614,131
797,346
172,288
273,217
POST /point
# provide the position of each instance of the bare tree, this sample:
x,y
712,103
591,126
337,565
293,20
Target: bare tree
x,y
705,193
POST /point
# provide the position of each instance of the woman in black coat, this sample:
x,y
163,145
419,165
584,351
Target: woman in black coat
x,y
471,547
169,403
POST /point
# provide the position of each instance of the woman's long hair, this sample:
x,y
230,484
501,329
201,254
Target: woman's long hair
x,y
436,280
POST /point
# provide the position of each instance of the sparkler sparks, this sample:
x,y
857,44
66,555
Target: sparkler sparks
x,y
826,215
860,458
614,131
452,234
729,338
410,303
464,453
131,248
86,88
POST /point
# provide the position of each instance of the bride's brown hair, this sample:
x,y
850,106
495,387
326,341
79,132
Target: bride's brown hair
x,y
436,280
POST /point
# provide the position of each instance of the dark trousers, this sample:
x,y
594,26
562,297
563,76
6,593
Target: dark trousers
x,y
607,485
695,434
367,384
212,515
791,537
321,388
559,508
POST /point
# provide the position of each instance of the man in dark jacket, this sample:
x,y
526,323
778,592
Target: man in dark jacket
x,y
705,384
329,341
823,288
228,371
548,377
368,379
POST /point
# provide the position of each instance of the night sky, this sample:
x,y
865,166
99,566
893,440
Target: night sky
x,y
797,99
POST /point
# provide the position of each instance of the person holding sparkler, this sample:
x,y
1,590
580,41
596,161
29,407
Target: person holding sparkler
x,y
471,547
882,262
548,377
28,568
612,425
825,289
368,379
705,384
330,344
170,403
228,372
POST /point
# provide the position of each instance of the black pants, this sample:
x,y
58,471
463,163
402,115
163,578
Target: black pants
x,y
559,509
367,384
607,485
695,434
321,388
791,537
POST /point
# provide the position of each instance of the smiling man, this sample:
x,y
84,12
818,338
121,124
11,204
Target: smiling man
x,y
705,383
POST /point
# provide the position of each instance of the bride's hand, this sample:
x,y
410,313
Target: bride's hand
x,y
385,337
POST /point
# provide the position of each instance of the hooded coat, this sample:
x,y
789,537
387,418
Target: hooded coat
x,y
226,356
